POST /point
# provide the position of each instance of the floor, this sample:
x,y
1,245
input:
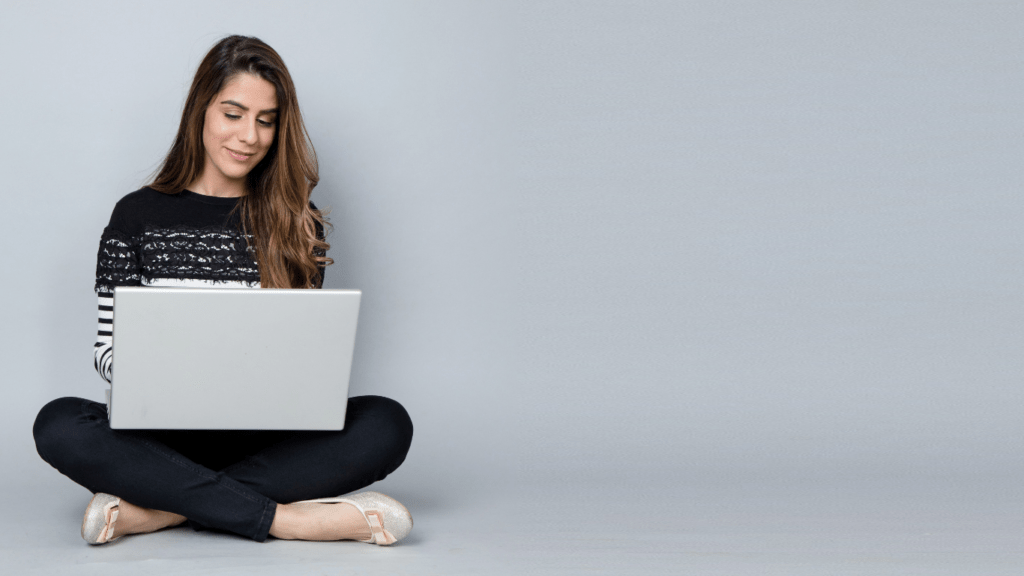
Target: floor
x,y
587,528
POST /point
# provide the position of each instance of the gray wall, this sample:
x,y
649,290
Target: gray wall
x,y
776,239
603,240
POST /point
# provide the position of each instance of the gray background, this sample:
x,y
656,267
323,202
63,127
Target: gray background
x,y
668,287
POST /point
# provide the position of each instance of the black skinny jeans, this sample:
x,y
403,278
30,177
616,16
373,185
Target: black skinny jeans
x,y
224,480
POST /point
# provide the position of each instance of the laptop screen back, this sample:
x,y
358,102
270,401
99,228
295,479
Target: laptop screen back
x,y
232,359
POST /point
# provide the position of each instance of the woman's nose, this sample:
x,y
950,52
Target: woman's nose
x,y
249,134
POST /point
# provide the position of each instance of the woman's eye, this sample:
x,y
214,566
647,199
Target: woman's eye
x,y
266,123
232,116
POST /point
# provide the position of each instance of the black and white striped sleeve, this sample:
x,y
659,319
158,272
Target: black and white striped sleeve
x,y
117,264
103,359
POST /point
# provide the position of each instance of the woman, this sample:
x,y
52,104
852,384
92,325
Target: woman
x,y
229,207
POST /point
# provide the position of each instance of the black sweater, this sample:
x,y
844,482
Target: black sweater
x,y
157,239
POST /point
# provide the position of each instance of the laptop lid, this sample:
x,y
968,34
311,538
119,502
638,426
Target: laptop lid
x,y
232,359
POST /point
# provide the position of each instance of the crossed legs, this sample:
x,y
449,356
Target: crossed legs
x,y
233,481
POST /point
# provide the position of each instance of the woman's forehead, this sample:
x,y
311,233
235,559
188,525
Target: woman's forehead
x,y
249,92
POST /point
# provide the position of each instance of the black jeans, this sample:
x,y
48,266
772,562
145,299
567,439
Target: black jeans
x,y
225,480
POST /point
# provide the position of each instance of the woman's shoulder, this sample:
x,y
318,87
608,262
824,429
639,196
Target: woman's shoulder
x,y
142,196
131,211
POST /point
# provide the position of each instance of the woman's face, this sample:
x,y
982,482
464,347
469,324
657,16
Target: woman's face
x,y
240,126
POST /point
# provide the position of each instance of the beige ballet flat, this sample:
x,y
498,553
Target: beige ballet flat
x,y
389,521
100,518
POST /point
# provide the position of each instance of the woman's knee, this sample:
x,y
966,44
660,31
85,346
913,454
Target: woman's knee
x,y
54,427
390,421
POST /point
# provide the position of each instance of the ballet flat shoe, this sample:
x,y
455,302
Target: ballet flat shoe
x,y
389,521
100,518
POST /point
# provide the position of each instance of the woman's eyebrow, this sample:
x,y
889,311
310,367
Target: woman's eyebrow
x,y
246,108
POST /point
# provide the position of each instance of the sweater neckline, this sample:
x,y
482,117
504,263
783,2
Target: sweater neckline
x,y
218,200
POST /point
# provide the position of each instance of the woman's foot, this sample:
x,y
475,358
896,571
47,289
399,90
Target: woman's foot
x,y
108,518
368,517
319,522
138,520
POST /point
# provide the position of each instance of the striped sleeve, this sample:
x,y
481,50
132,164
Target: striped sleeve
x,y
104,352
117,264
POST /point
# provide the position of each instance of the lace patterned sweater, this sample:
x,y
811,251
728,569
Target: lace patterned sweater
x,y
157,239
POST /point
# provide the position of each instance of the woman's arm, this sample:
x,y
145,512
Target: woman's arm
x,y
103,357
117,264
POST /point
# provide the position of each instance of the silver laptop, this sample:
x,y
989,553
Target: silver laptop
x,y
232,359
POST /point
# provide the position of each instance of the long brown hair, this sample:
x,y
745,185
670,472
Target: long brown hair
x,y
275,210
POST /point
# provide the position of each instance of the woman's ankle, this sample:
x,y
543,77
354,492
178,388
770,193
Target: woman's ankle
x,y
319,522
132,519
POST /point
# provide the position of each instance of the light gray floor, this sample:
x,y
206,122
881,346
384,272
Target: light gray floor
x,y
785,528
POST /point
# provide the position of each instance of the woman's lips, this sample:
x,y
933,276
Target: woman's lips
x,y
238,155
